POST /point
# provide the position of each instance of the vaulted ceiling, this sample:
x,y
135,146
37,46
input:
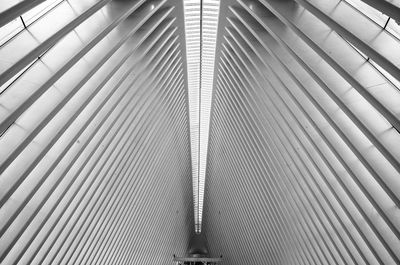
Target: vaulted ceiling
x,y
97,159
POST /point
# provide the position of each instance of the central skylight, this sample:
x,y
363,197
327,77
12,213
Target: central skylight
x,y
201,22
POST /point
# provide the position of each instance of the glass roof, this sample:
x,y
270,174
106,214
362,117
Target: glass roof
x,y
201,22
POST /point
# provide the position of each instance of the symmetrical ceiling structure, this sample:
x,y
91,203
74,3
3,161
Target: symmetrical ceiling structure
x,y
101,105
201,23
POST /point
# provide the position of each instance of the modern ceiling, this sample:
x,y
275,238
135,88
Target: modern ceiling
x,y
105,157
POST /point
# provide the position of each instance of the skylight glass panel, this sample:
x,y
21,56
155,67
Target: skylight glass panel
x,y
201,22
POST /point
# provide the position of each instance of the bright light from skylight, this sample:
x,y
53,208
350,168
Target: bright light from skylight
x,y
200,67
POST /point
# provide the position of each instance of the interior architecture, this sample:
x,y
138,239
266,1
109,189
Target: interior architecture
x,y
269,129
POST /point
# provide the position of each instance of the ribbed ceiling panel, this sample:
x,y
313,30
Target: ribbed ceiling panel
x,y
94,147
304,157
